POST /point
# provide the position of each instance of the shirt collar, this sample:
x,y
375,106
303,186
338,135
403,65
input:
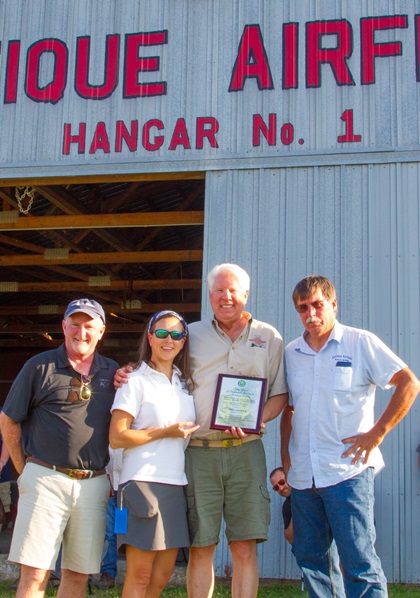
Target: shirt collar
x,y
146,369
336,335
245,314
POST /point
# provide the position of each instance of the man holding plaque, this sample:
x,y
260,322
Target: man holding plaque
x,y
237,365
332,374
237,368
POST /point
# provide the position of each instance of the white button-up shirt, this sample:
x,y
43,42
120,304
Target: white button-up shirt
x,y
333,395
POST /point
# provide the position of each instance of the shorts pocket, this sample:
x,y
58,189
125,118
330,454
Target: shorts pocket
x,y
140,501
265,513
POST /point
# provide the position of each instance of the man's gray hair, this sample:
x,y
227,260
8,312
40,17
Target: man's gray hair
x,y
237,271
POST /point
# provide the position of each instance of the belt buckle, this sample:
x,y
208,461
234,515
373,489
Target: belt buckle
x,y
229,442
77,474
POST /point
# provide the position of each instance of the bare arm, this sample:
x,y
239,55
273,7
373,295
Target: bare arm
x,y
122,436
288,532
273,406
4,457
285,432
407,387
12,438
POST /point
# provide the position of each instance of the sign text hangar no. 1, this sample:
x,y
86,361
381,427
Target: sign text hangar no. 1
x,y
304,57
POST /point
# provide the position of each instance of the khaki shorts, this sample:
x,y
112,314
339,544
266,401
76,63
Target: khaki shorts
x,y
229,481
55,509
6,495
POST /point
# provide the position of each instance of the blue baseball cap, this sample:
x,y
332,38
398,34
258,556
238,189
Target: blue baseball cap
x,y
86,306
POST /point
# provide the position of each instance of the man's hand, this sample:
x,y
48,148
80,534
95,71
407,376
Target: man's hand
x,y
362,445
122,376
236,432
406,389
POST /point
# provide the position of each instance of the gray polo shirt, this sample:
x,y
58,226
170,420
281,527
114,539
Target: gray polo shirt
x,y
57,427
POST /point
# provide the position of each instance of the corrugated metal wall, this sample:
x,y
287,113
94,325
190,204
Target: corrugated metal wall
x,y
347,209
358,225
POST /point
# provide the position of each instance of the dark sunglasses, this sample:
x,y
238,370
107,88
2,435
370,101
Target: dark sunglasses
x,y
175,335
79,389
303,307
277,486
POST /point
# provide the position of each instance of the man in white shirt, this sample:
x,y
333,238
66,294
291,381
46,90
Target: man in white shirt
x,y
332,372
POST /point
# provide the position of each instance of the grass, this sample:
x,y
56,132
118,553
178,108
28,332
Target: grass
x,y
286,589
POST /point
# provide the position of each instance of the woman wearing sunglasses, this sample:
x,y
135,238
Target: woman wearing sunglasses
x,y
152,418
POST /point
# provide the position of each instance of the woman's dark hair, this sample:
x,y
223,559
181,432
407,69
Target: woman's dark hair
x,y
182,360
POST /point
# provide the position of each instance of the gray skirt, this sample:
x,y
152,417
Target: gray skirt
x,y
157,516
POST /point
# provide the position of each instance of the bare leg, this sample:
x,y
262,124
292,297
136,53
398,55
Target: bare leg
x,y
200,572
148,572
32,582
72,584
163,567
245,569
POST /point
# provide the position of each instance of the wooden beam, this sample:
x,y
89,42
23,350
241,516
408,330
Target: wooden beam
x,y
147,308
113,326
115,257
102,178
116,285
101,221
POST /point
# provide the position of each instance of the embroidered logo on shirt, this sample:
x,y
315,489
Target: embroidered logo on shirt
x,y
344,361
257,341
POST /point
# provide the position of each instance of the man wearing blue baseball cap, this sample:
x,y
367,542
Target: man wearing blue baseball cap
x,y
55,425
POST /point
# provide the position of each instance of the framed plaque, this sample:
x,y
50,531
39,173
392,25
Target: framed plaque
x,y
238,402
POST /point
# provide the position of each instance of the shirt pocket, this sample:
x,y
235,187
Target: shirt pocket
x,y
343,377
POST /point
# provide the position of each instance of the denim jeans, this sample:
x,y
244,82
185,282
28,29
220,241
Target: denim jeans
x,y
342,513
110,552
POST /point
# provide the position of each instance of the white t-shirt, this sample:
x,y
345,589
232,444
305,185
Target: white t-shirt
x,y
155,402
333,395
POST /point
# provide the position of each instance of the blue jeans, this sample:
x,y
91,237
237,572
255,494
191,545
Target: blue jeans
x,y
342,513
110,552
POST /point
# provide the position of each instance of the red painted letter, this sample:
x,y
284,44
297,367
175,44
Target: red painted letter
x,y
180,135
133,65
122,133
336,57
68,138
82,85
12,72
100,139
371,49
252,61
290,55
158,140
259,127
209,132
53,91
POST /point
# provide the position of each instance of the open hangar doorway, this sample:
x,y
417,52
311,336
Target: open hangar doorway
x,y
135,246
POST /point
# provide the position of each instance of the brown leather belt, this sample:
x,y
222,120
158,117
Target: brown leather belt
x,y
227,443
74,474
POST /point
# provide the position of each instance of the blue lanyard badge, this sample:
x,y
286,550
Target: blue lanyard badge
x,y
121,516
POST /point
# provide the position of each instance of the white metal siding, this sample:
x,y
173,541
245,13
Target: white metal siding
x,y
197,64
347,210
358,225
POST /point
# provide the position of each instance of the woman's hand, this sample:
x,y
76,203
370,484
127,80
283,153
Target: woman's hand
x,y
181,429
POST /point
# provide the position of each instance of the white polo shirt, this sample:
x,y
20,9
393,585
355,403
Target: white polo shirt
x,y
155,402
333,395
